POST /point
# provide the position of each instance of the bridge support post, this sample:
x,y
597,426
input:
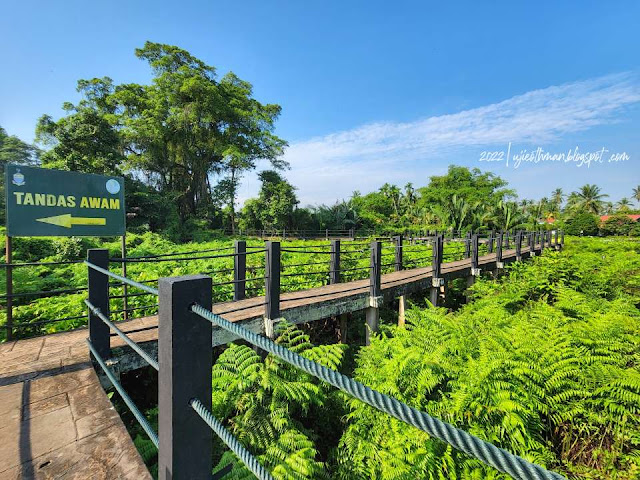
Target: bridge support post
x,y
519,246
99,297
492,236
561,240
240,270
543,237
185,359
402,300
375,291
437,282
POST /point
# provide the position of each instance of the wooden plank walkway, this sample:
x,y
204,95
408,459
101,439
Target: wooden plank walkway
x,y
56,420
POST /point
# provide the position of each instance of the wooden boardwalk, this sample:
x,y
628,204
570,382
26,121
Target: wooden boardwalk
x,y
56,420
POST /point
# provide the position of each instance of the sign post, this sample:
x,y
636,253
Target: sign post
x,y
42,202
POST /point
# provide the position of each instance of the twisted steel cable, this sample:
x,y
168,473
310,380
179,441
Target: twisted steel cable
x,y
136,348
142,420
232,442
506,462
126,280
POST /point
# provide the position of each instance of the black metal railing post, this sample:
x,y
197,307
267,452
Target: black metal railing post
x,y
334,267
561,239
492,235
240,270
519,245
272,286
398,252
99,297
185,361
543,236
506,236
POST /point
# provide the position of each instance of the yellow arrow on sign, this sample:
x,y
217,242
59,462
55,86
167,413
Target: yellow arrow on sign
x,y
68,221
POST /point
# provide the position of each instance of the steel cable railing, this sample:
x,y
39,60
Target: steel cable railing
x,y
230,441
98,313
126,280
142,420
482,450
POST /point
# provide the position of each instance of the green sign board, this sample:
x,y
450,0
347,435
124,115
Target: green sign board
x,y
43,202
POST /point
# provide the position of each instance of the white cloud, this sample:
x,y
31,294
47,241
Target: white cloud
x,y
331,167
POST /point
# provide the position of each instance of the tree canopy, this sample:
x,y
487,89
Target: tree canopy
x,y
177,135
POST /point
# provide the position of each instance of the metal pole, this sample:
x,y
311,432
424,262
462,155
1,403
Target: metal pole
x,y
185,359
9,272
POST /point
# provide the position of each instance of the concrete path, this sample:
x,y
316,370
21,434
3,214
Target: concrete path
x,y
55,418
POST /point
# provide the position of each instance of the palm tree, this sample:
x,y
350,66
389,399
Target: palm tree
x,y
556,198
607,208
508,216
636,194
590,198
624,204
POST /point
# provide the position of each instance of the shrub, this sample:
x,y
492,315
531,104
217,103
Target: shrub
x,y
71,248
619,224
582,224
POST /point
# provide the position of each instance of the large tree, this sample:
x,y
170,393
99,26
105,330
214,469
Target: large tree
x,y
187,126
177,134
473,186
86,139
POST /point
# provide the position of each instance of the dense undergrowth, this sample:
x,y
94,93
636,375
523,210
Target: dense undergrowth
x,y
301,270
544,362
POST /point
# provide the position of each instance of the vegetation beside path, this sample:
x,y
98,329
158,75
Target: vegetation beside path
x,y
544,362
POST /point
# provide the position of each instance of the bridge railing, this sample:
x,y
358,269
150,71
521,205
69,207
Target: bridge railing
x,y
185,326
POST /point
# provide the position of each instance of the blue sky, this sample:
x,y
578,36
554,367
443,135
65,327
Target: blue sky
x,y
371,91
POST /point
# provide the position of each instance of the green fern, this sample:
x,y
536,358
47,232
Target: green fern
x,y
269,406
